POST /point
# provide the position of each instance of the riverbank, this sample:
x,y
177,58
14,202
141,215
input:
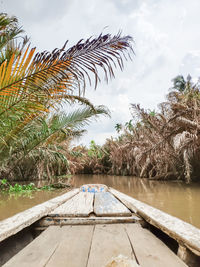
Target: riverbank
x,y
176,198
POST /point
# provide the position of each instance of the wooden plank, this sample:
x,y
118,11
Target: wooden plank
x,y
151,251
38,252
125,199
47,221
80,205
105,204
188,257
177,229
23,219
74,249
109,241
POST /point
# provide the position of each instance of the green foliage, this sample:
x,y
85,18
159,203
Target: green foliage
x,y
10,36
152,113
34,87
18,188
118,127
3,181
95,150
129,125
76,153
47,188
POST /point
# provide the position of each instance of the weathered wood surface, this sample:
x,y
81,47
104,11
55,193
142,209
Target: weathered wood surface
x,y
94,245
79,205
181,231
108,241
188,257
74,248
47,221
39,251
23,219
105,204
149,250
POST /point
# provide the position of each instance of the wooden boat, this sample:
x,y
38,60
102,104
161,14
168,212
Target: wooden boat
x,y
94,225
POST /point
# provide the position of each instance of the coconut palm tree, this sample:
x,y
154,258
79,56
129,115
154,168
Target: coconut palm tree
x,y
179,83
118,127
33,85
41,148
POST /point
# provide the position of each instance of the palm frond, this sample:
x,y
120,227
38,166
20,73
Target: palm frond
x,y
60,71
44,131
32,85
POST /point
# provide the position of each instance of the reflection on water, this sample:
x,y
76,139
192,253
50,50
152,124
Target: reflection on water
x,y
175,198
12,204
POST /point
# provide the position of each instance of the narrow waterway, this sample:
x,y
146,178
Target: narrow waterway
x,y
175,198
14,203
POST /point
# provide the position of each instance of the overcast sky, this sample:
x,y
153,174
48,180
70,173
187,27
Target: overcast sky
x,y
167,43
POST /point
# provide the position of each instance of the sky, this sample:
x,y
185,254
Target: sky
x,y
166,44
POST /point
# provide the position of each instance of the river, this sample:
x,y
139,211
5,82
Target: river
x,y
175,198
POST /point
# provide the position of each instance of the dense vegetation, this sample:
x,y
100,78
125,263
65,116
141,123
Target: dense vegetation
x,y
156,145
37,89
42,108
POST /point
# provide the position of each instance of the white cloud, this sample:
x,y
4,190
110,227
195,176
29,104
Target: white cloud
x,y
191,64
166,44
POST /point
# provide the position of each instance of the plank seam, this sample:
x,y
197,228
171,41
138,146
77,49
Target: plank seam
x,y
184,233
106,204
93,204
134,210
90,247
51,254
131,246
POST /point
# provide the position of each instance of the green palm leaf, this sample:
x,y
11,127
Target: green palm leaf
x,y
49,132
32,85
59,72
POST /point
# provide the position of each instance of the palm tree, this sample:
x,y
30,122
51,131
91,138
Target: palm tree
x,y
41,145
179,83
129,125
118,127
32,84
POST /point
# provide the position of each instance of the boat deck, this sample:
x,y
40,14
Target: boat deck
x,y
94,246
90,229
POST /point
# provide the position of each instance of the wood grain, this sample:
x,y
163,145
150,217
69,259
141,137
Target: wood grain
x,y
80,205
177,229
109,241
38,252
74,248
47,221
105,204
151,251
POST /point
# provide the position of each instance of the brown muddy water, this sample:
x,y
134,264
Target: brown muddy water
x,y
175,198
